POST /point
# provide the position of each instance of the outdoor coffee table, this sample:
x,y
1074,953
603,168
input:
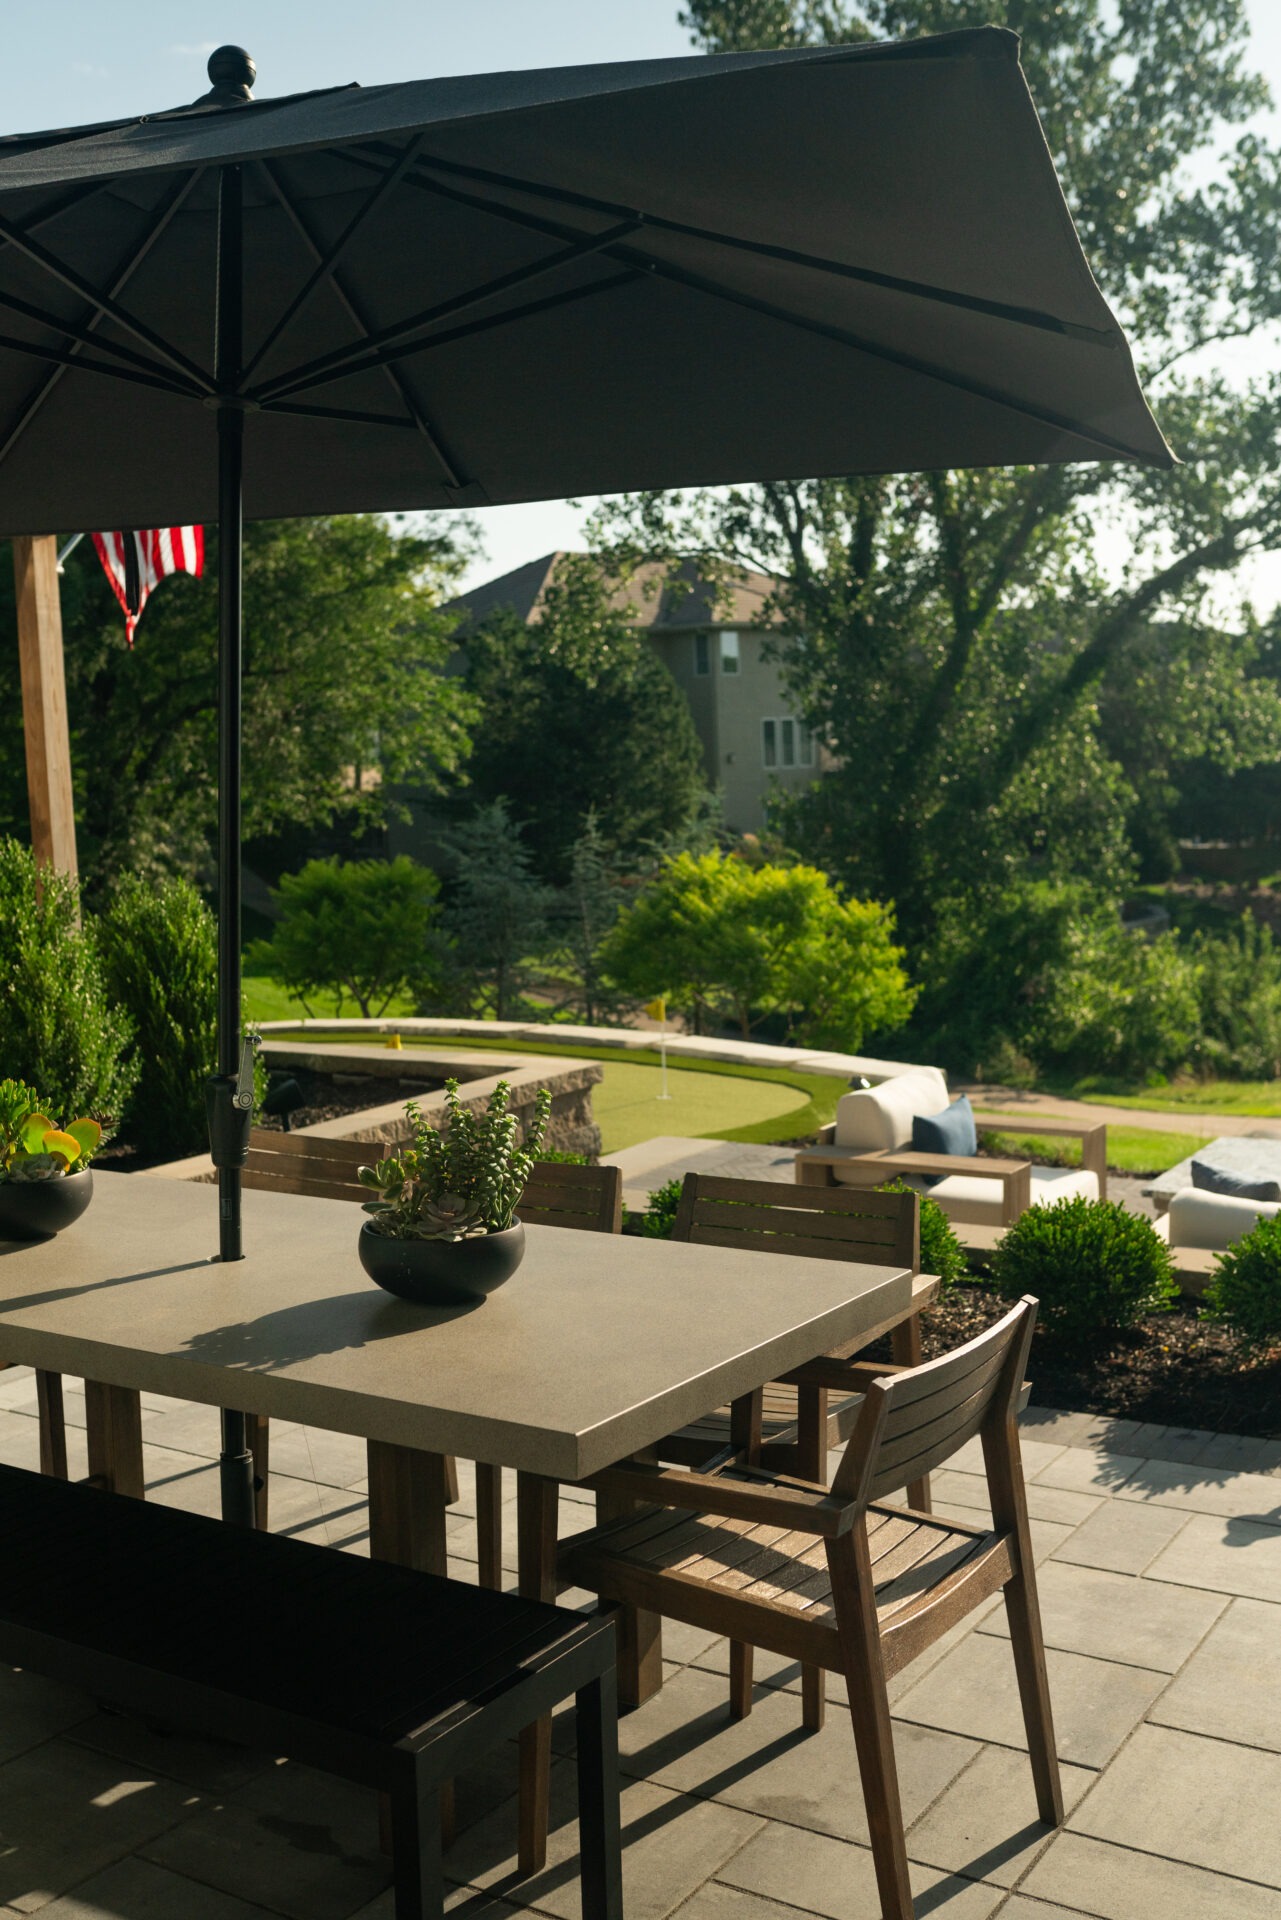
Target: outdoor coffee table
x,y
595,1349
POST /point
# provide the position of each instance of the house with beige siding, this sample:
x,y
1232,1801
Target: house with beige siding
x,y
712,639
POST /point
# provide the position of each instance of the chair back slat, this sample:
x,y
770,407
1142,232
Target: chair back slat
x,y
302,1163
588,1198
825,1223
913,1422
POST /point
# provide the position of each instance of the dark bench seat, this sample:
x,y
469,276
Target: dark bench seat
x,y
391,1678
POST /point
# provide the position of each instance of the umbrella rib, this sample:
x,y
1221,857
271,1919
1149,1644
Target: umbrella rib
x,y
103,304
379,347
472,327
426,427
326,262
912,362
401,420
71,357
818,263
124,273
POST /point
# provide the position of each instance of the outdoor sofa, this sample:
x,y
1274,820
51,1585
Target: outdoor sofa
x,y
870,1142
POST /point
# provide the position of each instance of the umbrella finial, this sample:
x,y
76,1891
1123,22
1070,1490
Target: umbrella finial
x,y
233,73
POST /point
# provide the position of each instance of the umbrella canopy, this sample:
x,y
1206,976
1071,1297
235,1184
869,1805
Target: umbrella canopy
x,y
522,286
529,285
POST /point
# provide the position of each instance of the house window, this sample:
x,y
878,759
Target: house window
x,y
729,653
702,654
786,743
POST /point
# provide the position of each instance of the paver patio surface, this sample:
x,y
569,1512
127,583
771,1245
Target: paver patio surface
x,y
1160,1568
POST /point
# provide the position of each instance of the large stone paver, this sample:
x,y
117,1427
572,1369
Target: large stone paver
x,y
1122,1537
768,1764
1187,1798
986,1824
1240,1496
136,1889
1096,1703
1228,1556
1106,1615
1231,1687
1088,1876
836,1880
66,1812
672,1844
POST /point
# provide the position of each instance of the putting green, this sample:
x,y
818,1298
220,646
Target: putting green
x,y
628,1109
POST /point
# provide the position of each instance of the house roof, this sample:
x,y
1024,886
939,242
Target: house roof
x,y
660,599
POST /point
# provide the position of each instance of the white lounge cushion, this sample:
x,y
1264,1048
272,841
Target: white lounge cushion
x,y
880,1117
1214,1220
972,1200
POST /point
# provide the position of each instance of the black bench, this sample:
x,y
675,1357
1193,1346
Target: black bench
x,y
391,1678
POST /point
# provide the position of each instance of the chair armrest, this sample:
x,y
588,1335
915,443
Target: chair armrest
x,y
826,1136
1093,1136
780,1501
841,1376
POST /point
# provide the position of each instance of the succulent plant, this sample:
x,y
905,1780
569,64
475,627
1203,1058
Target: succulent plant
x,y
460,1181
32,1144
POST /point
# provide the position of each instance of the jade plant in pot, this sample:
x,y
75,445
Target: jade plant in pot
x,y
45,1182
442,1228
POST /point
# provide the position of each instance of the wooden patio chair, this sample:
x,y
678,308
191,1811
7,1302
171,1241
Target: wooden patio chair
x,y
838,1580
588,1200
799,1420
793,1422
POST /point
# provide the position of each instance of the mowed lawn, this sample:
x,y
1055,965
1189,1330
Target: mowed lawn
x,y
628,1109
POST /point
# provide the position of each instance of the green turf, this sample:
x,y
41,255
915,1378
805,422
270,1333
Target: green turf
x,y
739,1114
628,1108
1258,1098
1130,1149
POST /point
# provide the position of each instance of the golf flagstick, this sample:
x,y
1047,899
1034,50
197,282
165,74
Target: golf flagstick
x,y
657,1010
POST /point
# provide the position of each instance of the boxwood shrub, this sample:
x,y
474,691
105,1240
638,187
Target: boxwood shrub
x,y
1095,1267
941,1251
1245,1293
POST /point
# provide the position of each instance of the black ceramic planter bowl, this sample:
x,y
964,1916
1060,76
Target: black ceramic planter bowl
x,y
442,1273
37,1209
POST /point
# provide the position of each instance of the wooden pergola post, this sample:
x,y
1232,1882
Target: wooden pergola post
x,y
44,702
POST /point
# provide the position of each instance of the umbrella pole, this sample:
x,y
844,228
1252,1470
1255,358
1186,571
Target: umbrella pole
x,y
230,1091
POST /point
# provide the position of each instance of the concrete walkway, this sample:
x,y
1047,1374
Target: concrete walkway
x,y
1160,1571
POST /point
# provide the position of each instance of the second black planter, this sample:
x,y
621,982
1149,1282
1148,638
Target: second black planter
x,y
36,1209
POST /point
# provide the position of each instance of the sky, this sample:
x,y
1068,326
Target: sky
x,y
72,61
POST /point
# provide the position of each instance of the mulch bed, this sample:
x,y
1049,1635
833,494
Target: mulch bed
x,y
331,1096
1173,1369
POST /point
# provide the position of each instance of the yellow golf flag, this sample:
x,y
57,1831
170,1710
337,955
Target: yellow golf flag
x,y
657,1009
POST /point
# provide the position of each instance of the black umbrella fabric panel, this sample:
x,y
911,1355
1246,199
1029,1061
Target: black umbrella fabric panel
x,y
757,267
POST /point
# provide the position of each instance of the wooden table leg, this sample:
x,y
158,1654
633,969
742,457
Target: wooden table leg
x,y
408,1495
536,1501
258,1438
113,1431
53,1424
640,1634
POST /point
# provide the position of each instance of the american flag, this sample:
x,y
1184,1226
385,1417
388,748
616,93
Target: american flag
x,y
136,563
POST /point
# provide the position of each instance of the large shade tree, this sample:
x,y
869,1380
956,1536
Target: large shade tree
x,y
579,717
344,694
968,646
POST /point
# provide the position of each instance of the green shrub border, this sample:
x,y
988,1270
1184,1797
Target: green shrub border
x,y
822,1090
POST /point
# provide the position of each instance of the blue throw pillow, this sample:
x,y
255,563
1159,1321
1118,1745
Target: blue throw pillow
x,y
952,1131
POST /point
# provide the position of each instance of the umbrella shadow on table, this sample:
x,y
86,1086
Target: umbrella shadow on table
x,y
338,1323
52,1295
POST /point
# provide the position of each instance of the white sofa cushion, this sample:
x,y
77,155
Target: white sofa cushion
x,y
1214,1220
971,1200
880,1117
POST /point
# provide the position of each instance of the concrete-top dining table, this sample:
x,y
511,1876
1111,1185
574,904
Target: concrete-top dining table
x,y
597,1347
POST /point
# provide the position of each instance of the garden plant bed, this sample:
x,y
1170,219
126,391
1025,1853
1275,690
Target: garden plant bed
x,y
331,1096
1173,1369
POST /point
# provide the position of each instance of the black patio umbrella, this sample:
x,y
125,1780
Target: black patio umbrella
x,y
519,286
